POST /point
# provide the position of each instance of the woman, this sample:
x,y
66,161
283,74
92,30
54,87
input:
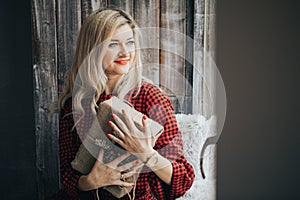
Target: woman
x,y
106,64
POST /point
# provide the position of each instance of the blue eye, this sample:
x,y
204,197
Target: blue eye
x,y
131,42
113,44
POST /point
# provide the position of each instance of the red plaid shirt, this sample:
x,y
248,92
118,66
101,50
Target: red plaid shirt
x,y
157,106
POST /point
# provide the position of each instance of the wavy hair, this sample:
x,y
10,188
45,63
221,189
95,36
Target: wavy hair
x,y
86,77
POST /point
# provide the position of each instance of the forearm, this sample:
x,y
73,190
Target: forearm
x,y
162,168
181,176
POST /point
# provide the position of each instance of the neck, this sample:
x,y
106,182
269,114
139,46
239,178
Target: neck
x,y
111,84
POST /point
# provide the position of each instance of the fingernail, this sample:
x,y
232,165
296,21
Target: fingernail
x,y
123,111
109,123
108,135
137,162
144,117
112,115
137,170
133,185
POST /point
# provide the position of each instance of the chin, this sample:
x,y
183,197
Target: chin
x,y
123,70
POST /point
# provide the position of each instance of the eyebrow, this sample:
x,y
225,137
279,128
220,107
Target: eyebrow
x,y
114,40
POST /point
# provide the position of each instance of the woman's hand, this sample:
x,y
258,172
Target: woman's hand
x,y
137,141
108,174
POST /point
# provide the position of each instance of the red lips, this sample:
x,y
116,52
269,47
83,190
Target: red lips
x,y
122,62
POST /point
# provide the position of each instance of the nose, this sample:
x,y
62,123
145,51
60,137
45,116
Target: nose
x,y
123,51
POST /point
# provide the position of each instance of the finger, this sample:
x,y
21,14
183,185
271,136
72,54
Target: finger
x,y
128,165
116,129
123,183
120,124
129,174
128,121
100,156
119,159
99,160
117,140
146,127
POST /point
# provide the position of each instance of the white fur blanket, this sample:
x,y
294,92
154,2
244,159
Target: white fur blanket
x,y
195,129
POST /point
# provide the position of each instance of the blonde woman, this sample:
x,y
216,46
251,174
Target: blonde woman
x,y
107,63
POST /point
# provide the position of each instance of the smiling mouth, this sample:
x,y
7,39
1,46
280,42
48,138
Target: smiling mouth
x,y
122,62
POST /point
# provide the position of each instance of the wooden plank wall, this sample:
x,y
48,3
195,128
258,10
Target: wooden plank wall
x,y
172,46
45,91
170,60
148,15
68,24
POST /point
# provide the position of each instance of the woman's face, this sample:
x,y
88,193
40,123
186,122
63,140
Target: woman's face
x,y
120,52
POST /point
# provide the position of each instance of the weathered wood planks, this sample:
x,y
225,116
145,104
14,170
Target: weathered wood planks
x,y
67,29
172,48
45,92
147,16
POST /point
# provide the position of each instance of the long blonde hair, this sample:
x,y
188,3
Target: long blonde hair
x,y
86,76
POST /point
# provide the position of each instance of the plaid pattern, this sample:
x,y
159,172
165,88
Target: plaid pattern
x,y
157,106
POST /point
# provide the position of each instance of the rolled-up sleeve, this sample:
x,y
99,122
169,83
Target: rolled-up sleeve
x,y
169,145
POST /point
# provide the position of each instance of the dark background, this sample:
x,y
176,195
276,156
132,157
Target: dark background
x,y
257,55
